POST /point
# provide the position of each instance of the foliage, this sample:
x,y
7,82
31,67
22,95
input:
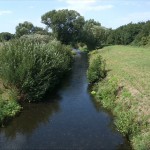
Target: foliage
x,y
34,68
24,28
8,104
132,33
106,92
93,34
6,36
125,34
96,70
27,28
143,38
8,109
65,24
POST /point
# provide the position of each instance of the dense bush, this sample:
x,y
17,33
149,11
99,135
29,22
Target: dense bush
x,y
96,70
6,36
8,109
34,68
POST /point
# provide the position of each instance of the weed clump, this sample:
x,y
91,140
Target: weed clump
x,y
96,70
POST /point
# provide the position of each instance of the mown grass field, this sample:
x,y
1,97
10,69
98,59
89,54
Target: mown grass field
x,y
131,67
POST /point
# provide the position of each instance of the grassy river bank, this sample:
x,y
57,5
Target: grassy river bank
x,y
124,90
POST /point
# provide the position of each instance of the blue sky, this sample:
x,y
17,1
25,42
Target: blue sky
x,y
110,13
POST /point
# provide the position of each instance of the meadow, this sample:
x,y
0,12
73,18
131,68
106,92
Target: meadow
x,y
125,91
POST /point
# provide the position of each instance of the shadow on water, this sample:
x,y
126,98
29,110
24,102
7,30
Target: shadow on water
x,y
32,116
70,119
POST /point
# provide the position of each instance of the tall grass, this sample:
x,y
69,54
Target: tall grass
x,y
32,67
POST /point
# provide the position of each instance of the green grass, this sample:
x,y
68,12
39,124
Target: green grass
x,y
8,103
126,91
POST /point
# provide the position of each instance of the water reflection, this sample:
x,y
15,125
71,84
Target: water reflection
x,y
32,117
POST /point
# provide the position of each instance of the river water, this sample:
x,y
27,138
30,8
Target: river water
x,y
68,120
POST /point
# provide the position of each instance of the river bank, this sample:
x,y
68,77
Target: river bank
x,y
28,70
125,91
69,119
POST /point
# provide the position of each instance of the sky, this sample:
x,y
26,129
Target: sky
x,y
110,13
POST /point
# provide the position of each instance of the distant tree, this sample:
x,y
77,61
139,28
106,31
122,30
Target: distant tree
x,y
66,24
143,38
27,28
93,34
39,30
124,34
6,36
24,28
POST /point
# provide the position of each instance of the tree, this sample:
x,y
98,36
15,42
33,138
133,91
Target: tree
x,y
93,34
66,24
39,30
24,28
6,36
27,28
124,34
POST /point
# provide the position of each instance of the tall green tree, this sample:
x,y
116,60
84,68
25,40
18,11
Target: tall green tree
x,y
24,28
66,24
27,28
93,34
6,36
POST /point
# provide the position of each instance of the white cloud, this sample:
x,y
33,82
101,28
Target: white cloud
x,y
4,12
83,6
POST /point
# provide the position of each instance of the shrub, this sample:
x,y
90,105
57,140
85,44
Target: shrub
x,y
106,92
8,109
96,70
34,68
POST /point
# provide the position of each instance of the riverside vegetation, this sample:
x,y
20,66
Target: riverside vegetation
x,y
125,90
29,69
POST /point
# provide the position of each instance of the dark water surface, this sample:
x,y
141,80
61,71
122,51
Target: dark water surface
x,y
69,120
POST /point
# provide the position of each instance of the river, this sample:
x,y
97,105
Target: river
x,y
68,120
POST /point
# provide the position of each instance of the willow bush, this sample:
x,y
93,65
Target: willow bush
x,y
32,67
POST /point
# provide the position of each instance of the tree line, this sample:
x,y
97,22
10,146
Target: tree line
x,y
70,28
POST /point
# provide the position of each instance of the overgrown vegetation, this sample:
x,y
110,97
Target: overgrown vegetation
x,y
6,36
125,91
133,33
28,69
34,68
96,70
8,104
